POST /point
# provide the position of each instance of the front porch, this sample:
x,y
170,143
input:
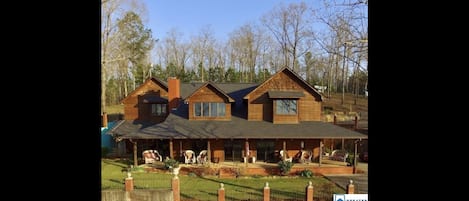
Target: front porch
x,y
229,169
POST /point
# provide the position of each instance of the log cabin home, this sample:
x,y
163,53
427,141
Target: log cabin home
x,y
232,121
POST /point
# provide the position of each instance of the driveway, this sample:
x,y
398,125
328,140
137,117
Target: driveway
x,y
360,181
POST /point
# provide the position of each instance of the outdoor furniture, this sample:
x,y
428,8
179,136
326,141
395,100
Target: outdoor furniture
x,y
189,157
306,156
339,155
202,157
287,158
150,156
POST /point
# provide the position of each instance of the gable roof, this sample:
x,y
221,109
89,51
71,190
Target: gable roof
x,y
152,79
230,99
310,88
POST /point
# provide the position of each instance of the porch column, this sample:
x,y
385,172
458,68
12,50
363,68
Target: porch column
x,y
171,154
321,145
135,152
343,146
284,149
209,152
246,152
180,148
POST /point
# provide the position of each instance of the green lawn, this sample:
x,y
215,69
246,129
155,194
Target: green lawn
x,y
205,188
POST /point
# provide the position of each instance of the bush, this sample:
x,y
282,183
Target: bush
x,y
306,173
170,163
285,167
350,160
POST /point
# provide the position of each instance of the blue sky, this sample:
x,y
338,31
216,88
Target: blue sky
x,y
190,16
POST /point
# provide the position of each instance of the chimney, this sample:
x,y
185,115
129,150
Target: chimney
x,y
173,92
104,120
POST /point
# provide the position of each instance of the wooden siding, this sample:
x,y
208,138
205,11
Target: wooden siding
x,y
309,108
218,151
209,94
135,109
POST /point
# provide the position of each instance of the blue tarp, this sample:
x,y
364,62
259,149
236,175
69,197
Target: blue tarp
x,y
106,139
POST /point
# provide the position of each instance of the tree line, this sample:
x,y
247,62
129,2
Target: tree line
x,y
327,45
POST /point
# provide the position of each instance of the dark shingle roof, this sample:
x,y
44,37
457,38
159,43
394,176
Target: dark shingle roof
x,y
178,127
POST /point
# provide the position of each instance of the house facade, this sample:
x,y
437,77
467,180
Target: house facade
x,y
232,121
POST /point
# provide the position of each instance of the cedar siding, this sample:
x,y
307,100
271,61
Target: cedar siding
x,y
208,94
137,105
261,107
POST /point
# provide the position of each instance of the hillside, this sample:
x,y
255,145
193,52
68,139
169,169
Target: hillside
x,y
334,104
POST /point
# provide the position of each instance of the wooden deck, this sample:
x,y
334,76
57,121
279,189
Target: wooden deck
x,y
238,169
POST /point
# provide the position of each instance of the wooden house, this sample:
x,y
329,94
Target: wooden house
x,y
232,121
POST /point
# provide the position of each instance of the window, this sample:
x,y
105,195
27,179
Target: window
x,y
158,109
206,109
286,106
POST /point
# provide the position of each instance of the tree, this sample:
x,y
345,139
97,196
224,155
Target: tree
x,y
134,42
290,27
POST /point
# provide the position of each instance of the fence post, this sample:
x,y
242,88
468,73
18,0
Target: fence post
x,y
175,188
309,191
266,192
221,193
350,188
129,183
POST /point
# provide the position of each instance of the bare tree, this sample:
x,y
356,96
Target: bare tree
x,y
290,26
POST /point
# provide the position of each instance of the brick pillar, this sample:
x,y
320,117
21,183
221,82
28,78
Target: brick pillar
x,y
175,188
309,191
266,192
350,188
221,193
104,119
129,183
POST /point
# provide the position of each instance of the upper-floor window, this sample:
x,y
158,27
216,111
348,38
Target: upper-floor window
x,y
286,106
158,109
207,109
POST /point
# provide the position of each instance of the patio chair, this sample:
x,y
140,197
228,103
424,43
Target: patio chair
x,y
306,156
189,157
202,157
287,158
150,156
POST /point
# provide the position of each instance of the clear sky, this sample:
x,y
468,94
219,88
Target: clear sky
x,y
190,16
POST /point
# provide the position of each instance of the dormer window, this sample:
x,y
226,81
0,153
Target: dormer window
x,y
286,107
158,109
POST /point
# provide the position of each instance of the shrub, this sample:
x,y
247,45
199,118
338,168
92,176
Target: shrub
x,y
170,163
350,160
306,173
285,167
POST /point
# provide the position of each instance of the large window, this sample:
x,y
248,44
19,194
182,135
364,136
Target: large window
x,y
206,109
286,106
158,109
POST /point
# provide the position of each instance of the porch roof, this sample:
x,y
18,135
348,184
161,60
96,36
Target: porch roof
x,y
177,127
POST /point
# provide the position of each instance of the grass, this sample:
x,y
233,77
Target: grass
x,y
115,109
205,188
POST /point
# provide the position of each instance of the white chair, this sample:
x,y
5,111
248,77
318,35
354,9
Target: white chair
x,y
189,157
306,156
202,157
287,158
150,156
